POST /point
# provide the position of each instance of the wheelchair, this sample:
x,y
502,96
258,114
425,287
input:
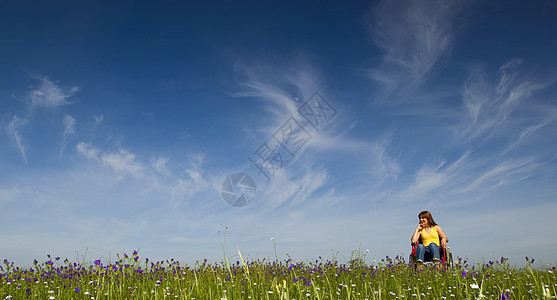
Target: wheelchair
x,y
446,256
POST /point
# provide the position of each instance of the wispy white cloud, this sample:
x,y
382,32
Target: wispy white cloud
x,y
499,123
383,165
13,131
498,109
97,120
48,93
160,165
291,187
502,174
416,37
282,87
68,134
88,151
530,131
174,184
121,162
182,188
433,178
426,180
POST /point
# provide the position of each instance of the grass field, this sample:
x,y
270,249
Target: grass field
x,y
133,277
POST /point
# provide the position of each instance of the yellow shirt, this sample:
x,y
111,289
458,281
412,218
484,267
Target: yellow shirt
x,y
432,237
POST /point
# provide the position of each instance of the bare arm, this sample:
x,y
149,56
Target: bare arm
x,y
416,236
444,238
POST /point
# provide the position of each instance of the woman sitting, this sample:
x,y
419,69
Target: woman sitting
x,y
430,233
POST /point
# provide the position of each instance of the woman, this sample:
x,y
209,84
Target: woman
x,y
430,233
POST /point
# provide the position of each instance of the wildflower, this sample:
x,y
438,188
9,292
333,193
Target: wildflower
x,y
504,296
77,290
474,286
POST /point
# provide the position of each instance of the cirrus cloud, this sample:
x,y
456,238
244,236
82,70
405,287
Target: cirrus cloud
x,y
48,93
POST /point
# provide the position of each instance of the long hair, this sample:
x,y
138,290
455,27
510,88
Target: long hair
x,y
426,214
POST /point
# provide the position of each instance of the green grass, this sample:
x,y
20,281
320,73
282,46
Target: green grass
x,y
132,277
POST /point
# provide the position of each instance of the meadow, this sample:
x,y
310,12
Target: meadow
x,y
131,277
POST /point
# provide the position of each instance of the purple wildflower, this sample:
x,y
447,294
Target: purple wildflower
x,y
77,290
504,296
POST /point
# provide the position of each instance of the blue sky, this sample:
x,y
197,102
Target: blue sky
x,y
120,122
